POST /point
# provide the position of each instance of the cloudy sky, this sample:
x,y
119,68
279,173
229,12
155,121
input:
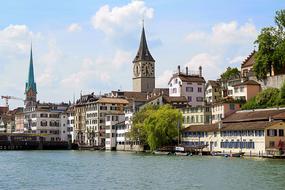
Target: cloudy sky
x,y
89,45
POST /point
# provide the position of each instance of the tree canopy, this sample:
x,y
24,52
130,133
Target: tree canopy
x,y
270,97
230,73
156,126
271,48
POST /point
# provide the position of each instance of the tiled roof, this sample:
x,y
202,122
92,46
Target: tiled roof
x,y
213,83
112,101
249,61
188,78
256,115
248,82
137,96
202,128
254,125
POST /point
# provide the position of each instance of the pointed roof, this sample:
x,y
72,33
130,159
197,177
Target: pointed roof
x,y
31,80
143,53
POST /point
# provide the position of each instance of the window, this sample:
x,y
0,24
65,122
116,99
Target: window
x,y
174,90
199,99
281,132
232,106
236,90
241,89
189,98
272,132
189,89
176,81
199,89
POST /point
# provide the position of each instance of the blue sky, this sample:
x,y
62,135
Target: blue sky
x,y
89,45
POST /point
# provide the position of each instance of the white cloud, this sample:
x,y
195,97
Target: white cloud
x,y
120,58
226,33
210,65
117,20
16,39
163,79
196,36
237,60
74,27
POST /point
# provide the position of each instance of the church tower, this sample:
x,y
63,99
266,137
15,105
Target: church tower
x,y
31,87
143,68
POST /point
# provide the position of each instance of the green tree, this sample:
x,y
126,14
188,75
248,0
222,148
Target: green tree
x,y
271,48
156,126
229,73
269,97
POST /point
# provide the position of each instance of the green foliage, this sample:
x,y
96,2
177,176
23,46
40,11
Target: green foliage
x,y
229,73
269,97
271,48
156,126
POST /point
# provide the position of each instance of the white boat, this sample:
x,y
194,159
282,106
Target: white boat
x,y
183,154
161,153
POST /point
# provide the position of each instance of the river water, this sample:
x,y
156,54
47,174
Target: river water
x,y
84,170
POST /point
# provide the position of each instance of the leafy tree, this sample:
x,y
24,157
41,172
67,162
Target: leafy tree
x,y
269,97
156,126
271,48
229,73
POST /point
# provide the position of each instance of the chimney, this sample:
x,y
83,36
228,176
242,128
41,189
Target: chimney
x,y
200,71
186,70
178,68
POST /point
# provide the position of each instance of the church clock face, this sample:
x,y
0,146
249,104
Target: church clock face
x,y
136,70
149,69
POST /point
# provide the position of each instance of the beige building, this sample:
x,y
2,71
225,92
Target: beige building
x,y
213,91
199,115
221,110
255,133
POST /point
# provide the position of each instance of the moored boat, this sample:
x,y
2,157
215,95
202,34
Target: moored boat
x,y
161,153
183,154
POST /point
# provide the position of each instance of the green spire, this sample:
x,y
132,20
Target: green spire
x,y
31,80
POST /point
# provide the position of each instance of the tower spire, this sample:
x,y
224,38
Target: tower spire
x,y
143,53
31,79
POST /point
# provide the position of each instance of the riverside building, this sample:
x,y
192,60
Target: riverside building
x,y
256,133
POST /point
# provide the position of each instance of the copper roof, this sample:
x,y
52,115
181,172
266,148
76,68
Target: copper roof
x,y
188,78
249,61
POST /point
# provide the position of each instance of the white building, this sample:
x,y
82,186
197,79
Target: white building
x,y
114,130
48,120
189,85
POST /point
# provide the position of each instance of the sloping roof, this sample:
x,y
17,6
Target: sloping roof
x,y
143,53
188,78
112,101
137,96
170,99
251,115
202,128
248,82
255,125
249,61
213,83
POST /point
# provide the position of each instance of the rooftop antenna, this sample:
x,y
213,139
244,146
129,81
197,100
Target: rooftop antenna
x,y
73,98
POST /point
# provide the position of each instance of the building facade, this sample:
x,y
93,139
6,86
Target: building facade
x,y
189,85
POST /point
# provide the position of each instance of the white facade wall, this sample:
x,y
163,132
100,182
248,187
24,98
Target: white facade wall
x,y
189,90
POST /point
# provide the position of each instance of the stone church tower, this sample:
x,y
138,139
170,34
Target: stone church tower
x,y
31,87
143,68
